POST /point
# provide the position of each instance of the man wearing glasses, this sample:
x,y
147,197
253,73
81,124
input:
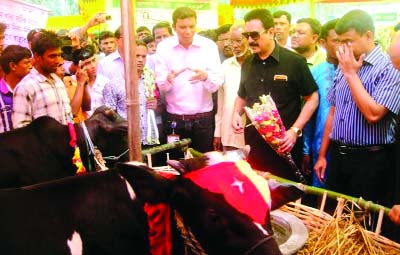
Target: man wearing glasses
x,y
286,77
224,137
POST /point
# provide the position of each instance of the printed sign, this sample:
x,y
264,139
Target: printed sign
x,y
21,17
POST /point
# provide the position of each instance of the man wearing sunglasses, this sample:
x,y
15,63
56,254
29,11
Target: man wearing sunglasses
x,y
286,77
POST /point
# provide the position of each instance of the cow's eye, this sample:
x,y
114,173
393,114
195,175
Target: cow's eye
x,y
213,216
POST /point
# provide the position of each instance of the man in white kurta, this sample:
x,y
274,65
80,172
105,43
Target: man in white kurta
x,y
224,137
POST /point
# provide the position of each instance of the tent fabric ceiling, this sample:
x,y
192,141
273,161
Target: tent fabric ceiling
x,y
263,3
260,3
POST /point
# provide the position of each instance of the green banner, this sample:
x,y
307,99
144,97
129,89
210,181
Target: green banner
x,y
392,17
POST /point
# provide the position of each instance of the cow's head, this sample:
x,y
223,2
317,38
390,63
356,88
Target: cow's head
x,y
220,226
281,193
108,132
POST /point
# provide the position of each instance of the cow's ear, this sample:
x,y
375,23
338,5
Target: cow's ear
x,y
149,186
187,165
282,193
177,165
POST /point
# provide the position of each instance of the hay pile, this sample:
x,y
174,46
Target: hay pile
x,y
342,236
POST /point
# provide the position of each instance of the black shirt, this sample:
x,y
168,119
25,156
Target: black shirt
x,y
284,75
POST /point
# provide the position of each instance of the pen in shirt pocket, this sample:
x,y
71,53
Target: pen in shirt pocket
x,y
280,77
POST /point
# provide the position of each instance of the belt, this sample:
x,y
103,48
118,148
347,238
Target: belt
x,y
188,117
346,149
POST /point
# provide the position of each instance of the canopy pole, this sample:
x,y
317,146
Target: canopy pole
x,y
312,8
131,80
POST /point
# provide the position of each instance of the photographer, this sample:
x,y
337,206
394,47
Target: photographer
x,y
77,87
77,38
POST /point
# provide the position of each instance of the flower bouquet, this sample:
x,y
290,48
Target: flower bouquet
x,y
266,119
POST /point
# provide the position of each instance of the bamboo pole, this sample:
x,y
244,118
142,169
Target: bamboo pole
x,y
131,80
178,144
317,191
331,194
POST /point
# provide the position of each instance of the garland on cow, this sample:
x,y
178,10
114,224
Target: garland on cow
x,y
76,159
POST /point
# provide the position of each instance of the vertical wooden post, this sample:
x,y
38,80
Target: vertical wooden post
x,y
312,8
131,79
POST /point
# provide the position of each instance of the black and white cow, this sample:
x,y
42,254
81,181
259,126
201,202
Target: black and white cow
x,y
41,151
100,213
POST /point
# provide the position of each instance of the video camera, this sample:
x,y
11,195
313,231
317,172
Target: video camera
x,y
66,44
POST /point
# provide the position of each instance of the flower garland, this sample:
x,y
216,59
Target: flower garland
x,y
76,159
150,93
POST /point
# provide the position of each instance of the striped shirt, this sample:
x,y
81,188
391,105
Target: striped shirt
x,y
37,96
114,94
6,105
382,82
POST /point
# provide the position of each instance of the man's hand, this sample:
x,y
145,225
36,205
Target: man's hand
x,y
97,19
199,75
151,103
75,41
217,144
347,61
288,141
394,214
319,168
237,124
173,74
82,77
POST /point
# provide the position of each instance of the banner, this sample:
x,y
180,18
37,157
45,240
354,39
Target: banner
x,y
21,17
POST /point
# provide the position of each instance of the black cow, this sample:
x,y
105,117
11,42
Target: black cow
x,y
99,213
40,151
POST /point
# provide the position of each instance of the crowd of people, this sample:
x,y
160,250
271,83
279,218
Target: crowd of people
x,y
335,88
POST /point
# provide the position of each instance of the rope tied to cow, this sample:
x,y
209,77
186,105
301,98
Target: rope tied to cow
x,y
99,161
115,158
188,237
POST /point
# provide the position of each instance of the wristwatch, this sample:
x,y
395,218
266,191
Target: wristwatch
x,y
297,131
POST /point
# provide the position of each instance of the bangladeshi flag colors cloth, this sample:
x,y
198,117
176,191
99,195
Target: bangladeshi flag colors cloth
x,y
241,187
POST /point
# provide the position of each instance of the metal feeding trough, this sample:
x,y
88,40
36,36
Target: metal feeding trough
x,y
289,232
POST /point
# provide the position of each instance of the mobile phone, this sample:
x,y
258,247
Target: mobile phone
x,y
81,66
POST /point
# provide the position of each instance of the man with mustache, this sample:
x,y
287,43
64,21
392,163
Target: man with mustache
x,y
284,75
224,137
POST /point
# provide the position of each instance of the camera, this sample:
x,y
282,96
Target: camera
x,y
102,17
66,43
66,47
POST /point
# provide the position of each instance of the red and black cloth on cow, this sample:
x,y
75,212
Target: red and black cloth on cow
x,y
241,187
